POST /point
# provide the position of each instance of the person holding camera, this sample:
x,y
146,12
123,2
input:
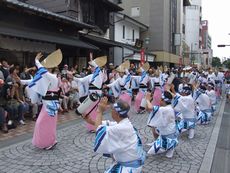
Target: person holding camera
x,y
14,100
118,139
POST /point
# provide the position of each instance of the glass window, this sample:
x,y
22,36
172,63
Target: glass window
x,y
135,12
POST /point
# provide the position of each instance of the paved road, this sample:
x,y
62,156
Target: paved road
x,y
221,160
74,152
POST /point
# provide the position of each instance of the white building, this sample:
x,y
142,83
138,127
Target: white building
x,y
127,31
193,30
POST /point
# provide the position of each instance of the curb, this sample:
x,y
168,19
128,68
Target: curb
x,y
209,154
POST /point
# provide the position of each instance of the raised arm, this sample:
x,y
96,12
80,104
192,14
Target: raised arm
x,y
149,106
37,58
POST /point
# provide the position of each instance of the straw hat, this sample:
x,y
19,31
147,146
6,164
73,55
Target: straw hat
x,y
125,65
165,68
99,61
145,67
53,59
157,72
160,68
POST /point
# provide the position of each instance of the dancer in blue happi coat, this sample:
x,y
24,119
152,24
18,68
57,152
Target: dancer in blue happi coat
x,y
185,104
162,121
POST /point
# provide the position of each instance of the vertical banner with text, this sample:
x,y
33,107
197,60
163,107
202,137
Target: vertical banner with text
x,y
142,56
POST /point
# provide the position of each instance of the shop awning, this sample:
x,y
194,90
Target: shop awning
x,y
99,41
44,37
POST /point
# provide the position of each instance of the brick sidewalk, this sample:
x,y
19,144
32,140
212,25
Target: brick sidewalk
x,y
29,127
74,152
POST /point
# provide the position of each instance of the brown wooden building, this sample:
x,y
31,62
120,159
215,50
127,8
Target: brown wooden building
x,y
28,27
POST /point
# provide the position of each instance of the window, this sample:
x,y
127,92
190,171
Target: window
x,y
123,32
135,12
133,35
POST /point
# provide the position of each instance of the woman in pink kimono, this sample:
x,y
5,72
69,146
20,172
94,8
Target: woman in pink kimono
x,y
157,90
44,86
92,84
142,81
121,87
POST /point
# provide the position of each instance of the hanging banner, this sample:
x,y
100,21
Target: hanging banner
x,y
142,56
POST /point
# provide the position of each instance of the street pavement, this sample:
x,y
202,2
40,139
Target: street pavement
x,y
74,152
221,160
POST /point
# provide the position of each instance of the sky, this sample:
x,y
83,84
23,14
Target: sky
x,y
217,12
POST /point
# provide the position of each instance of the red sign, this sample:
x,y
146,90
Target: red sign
x,y
180,61
142,56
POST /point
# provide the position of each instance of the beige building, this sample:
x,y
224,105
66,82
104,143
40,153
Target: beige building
x,y
166,22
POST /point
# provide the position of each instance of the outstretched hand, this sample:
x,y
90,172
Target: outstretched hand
x,y
102,106
39,56
148,96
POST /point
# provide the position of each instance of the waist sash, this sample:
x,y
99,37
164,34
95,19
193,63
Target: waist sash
x,y
132,164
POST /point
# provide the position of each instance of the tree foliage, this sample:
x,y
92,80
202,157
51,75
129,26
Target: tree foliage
x,y
227,63
216,62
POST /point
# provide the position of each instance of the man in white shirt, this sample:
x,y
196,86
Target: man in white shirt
x,y
119,139
203,104
163,124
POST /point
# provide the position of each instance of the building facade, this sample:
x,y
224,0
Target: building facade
x,y
165,20
193,29
128,31
206,44
31,26
26,29
93,12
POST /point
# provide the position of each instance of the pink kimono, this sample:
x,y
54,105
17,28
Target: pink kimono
x,y
44,86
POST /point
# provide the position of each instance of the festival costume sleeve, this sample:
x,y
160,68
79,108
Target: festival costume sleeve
x,y
26,82
40,83
152,82
81,79
106,140
83,84
109,123
115,87
178,103
135,81
161,79
127,81
144,78
183,105
97,78
156,118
